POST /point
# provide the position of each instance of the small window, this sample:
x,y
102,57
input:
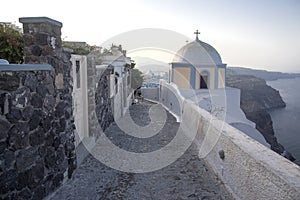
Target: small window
x,y
78,73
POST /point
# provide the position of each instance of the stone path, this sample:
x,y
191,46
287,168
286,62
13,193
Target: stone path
x,y
187,178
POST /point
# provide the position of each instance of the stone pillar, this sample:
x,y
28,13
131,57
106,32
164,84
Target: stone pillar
x,y
36,121
51,96
43,44
94,127
42,37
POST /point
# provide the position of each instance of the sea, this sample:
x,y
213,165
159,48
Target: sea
x,y
286,121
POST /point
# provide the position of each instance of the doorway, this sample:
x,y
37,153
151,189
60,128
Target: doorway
x,y
203,81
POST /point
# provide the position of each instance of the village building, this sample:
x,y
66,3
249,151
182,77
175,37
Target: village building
x,y
103,85
45,102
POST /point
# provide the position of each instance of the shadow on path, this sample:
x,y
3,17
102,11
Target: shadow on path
x,y
187,178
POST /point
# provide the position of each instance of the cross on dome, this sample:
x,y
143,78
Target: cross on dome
x,y
197,33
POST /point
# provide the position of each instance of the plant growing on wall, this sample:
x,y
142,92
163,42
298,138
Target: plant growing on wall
x,y
81,48
11,44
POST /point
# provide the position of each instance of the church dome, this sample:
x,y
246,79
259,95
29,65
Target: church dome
x,y
198,53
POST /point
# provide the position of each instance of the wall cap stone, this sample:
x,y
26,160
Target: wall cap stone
x,y
27,20
25,67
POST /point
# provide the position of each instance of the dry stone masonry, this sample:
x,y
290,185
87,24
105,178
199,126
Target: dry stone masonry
x,y
92,118
36,121
103,101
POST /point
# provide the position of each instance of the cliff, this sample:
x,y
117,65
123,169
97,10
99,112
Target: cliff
x,y
264,74
257,98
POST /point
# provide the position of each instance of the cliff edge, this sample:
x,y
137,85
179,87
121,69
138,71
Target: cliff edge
x,y
257,98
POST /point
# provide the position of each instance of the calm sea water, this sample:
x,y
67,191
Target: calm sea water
x,y
286,121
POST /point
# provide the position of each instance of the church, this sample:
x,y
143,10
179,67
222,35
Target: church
x,y
199,75
197,65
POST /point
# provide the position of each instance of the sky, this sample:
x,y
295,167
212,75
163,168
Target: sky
x,y
261,34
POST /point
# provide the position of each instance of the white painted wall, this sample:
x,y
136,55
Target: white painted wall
x,y
249,170
80,99
170,97
122,99
117,101
150,93
127,93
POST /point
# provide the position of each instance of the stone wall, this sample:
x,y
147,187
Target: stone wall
x,y
36,119
103,101
94,126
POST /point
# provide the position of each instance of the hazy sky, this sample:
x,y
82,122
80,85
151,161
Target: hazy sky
x,y
261,34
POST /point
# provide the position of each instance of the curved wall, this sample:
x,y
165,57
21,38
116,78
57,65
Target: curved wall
x,y
249,170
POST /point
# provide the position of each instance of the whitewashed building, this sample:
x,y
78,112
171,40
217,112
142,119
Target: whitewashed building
x,y
119,81
96,106
80,97
199,75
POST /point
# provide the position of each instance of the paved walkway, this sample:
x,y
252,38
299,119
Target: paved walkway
x,y
187,178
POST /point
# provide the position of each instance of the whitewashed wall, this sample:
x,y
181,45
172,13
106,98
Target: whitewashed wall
x,y
123,97
80,98
150,93
249,169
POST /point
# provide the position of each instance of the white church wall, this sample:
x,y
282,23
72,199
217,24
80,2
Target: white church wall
x,y
249,170
234,113
181,76
222,103
221,74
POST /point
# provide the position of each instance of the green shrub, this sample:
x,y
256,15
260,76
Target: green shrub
x,y
11,45
80,50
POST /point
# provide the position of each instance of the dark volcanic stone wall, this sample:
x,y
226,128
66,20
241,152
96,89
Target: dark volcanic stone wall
x,y
36,120
103,102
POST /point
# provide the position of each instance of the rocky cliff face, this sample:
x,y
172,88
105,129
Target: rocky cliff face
x,y
256,95
256,99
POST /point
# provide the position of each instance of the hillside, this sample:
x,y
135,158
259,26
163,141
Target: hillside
x,y
263,74
145,64
257,98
